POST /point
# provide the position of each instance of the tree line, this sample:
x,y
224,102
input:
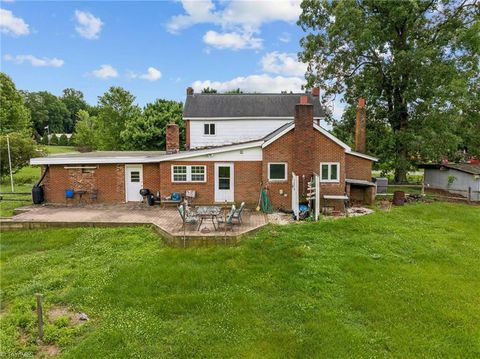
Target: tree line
x,y
116,122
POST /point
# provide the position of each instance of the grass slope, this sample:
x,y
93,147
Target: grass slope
x,y
399,284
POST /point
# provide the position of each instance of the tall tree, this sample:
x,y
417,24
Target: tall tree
x,y
409,59
74,102
147,132
86,133
115,108
47,110
14,115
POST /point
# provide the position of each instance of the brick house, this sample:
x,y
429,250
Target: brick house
x,y
236,145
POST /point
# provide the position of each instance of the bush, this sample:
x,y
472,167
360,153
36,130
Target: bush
x,y
54,140
21,150
44,140
63,140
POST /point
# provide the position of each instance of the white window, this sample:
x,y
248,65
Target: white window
x,y
209,129
182,173
277,171
329,172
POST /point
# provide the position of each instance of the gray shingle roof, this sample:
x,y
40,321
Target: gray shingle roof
x,y
472,168
247,105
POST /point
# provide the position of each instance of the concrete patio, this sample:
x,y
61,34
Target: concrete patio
x,y
166,221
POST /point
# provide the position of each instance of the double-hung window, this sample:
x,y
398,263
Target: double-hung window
x,y
277,171
329,172
184,173
209,129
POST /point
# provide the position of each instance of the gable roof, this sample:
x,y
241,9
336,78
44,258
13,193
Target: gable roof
x,y
471,168
255,106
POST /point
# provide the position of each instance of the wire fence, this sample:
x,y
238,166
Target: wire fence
x,y
424,189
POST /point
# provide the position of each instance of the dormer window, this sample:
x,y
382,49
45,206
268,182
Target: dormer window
x,y
209,129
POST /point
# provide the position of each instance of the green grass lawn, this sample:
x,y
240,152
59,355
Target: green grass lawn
x,y
59,149
401,284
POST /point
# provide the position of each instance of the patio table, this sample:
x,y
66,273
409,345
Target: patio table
x,y
207,212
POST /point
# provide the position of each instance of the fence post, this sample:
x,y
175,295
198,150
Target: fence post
x,y
39,315
469,194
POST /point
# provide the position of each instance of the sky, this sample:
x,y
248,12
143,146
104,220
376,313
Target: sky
x,y
154,49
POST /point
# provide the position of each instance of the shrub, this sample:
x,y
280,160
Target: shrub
x,y
63,140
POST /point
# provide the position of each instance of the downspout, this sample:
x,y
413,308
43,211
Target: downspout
x,y
43,176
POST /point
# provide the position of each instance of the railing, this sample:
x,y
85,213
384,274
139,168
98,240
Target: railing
x,y
8,198
425,189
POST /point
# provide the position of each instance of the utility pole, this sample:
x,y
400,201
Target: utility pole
x,y
10,163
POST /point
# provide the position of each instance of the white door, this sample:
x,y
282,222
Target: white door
x,y
224,187
133,183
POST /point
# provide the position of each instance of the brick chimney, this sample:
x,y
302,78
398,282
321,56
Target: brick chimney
x,y
360,126
316,91
304,141
189,91
172,138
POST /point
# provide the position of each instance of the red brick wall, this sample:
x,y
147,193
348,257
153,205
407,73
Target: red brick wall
x,y
247,179
108,179
151,177
279,151
358,168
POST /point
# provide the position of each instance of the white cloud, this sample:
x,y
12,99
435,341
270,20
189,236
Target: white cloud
x,y
35,61
239,20
10,24
283,64
254,83
88,26
232,40
285,37
152,74
249,15
105,72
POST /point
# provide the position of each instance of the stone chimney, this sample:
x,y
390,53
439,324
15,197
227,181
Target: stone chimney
x,y
361,127
189,91
172,138
304,141
316,91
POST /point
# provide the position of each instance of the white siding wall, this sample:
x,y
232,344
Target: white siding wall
x,y
439,179
232,131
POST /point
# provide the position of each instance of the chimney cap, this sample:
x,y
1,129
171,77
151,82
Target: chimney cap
x,y
190,91
361,102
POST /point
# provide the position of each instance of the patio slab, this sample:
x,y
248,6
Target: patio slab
x,y
165,221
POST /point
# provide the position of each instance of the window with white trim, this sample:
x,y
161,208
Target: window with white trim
x,y
209,129
329,172
193,173
277,171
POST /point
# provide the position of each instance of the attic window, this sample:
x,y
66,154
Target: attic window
x,y
209,129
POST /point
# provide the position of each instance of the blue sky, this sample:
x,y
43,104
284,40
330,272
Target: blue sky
x,y
153,49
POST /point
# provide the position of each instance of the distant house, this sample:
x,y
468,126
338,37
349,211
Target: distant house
x,y
236,145
454,177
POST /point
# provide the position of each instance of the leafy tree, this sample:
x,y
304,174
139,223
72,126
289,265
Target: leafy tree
x,y
86,132
74,102
44,140
235,91
147,132
47,109
413,61
21,150
14,115
116,107
209,90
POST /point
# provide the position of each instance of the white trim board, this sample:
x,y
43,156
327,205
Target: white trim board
x,y
362,155
243,118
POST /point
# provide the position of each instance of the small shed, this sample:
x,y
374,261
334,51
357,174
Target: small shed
x,y
459,178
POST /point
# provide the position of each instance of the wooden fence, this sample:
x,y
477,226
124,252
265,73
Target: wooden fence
x,y
468,195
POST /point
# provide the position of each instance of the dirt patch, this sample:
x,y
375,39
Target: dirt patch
x,y
59,311
359,211
280,218
47,350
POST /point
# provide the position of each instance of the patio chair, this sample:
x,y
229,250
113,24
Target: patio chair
x,y
189,217
229,220
237,215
